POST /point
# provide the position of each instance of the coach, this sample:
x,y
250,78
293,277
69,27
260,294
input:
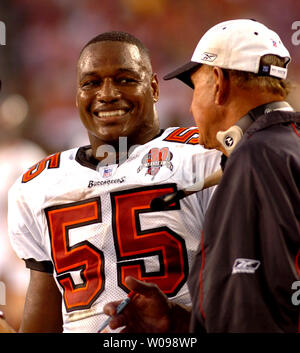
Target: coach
x,y
248,258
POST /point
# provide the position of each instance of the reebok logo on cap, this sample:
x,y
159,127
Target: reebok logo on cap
x,y
208,57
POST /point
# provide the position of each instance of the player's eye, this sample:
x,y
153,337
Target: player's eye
x,y
126,80
90,83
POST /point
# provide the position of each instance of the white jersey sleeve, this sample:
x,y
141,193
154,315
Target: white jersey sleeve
x,y
25,226
205,165
25,237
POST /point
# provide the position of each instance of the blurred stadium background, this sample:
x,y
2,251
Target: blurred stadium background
x,y
38,64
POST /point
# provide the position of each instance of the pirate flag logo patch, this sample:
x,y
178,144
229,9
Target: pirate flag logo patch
x,y
155,159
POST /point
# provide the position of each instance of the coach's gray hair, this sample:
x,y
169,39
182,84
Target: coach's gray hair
x,y
266,83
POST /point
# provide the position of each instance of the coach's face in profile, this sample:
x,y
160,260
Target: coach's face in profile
x,y
116,92
207,104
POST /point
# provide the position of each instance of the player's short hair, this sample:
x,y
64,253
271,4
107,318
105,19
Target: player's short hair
x,y
118,36
274,85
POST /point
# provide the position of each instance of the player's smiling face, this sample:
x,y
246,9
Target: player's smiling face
x,y
116,92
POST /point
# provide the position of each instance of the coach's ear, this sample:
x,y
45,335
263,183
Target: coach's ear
x,y
221,85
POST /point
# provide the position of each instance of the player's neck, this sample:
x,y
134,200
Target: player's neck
x,y
118,151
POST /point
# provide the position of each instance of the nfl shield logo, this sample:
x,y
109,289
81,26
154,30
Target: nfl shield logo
x,y
107,172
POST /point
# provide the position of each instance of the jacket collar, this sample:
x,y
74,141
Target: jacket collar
x,y
253,115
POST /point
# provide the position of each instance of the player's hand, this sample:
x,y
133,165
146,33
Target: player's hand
x,y
5,327
149,311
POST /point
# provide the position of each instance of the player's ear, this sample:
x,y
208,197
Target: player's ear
x,y
221,85
155,87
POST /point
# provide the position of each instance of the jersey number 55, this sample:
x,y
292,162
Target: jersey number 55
x,y
132,246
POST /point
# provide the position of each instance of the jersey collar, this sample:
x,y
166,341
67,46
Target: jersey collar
x,y
85,157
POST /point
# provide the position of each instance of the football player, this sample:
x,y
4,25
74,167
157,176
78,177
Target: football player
x,y
81,219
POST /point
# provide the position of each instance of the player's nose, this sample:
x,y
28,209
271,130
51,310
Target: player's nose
x,y
108,92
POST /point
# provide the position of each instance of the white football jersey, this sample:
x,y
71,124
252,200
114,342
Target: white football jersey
x,y
92,225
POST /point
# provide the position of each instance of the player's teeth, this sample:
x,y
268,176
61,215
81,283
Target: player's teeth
x,y
111,113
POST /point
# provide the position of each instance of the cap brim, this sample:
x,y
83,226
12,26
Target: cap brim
x,y
183,73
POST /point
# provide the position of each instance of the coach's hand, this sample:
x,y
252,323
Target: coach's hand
x,y
149,311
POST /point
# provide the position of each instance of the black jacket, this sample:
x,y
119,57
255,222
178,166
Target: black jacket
x,y
249,254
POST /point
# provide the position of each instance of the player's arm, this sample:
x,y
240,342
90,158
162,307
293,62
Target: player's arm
x,y
42,310
149,311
